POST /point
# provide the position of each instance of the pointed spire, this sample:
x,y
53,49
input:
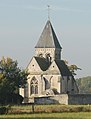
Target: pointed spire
x,y
48,38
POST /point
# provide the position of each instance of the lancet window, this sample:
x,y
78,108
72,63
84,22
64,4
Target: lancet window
x,y
34,86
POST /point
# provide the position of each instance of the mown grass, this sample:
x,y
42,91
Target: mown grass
x,y
79,115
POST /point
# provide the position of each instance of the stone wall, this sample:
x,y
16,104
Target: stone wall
x,y
57,99
79,99
64,99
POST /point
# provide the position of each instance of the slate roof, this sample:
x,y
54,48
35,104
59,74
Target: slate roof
x,y
42,63
48,38
63,68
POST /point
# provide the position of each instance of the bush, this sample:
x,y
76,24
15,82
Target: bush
x,y
3,110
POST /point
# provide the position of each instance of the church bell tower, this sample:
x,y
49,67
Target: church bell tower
x,y
48,45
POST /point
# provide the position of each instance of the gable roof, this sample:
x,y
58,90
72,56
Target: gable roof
x,y
42,63
63,68
48,38
32,65
45,65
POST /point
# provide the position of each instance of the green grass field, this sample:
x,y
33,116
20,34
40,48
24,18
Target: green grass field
x,y
79,115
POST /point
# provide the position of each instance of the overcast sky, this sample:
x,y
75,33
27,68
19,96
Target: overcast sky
x,y
22,21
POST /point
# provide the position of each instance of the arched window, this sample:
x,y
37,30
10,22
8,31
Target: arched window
x,y
34,86
48,57
47,84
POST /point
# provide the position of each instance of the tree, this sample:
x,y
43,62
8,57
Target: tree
x,y
11,78
73,68
84,85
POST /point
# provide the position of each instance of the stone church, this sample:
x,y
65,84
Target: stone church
x,y
48,73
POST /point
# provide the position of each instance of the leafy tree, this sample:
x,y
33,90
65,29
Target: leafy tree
x,y
11,78
73,68
84,84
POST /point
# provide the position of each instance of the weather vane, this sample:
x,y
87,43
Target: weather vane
x,y
48,11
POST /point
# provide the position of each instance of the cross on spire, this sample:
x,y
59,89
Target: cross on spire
x,y
48,11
